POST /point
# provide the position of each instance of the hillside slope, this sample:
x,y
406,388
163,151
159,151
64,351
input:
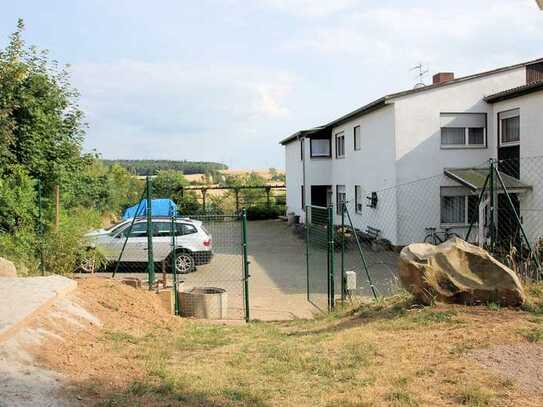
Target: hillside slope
x,y
390,353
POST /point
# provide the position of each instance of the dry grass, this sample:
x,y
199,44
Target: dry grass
x,y
385,354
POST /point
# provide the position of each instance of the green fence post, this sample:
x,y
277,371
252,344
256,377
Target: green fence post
x,y
517,219
40,227
150,259
174,270
331,258
492,181
307,240
245,264
364,262
343,253
128,234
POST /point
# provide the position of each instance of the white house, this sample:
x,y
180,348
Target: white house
x,y
405,161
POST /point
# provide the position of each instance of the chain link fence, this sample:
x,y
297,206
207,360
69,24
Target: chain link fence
x,y
497,204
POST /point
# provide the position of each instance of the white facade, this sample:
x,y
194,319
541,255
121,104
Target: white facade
x,y
401,156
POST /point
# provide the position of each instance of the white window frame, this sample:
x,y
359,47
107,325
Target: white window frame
x,y
340,136
312,154
338,193
508,114
466,144
357,141
358,198
466,212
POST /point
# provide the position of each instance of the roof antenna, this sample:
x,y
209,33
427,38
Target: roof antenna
x,y
420,75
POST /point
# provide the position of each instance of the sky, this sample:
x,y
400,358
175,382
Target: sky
x,y
226,80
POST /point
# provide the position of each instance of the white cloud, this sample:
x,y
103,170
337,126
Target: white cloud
x,y
192,110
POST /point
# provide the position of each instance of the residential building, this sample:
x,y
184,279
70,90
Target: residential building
x,y
400,162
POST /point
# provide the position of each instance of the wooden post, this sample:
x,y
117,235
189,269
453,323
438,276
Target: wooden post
x,y
268,204
237,200
57,207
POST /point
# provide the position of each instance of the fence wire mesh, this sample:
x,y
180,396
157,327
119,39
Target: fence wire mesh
x,y
318,254
438,207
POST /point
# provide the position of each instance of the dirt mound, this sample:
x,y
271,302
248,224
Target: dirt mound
x,y
82,348
119,304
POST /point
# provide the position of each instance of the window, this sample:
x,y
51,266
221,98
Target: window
x,y
356,136
341,198
320,147
457,207
510,127
453,136
302,147
463,130
183,229
476,136
358,196
340,145
138,230
162,229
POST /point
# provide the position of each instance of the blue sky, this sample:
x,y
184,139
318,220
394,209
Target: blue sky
x,y
225,80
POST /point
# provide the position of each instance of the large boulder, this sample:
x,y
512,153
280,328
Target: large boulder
x,y
7,268
458,272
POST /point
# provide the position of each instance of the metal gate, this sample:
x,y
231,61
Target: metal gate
x,y
320,256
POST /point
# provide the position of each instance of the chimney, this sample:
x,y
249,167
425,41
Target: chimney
x,y
441,77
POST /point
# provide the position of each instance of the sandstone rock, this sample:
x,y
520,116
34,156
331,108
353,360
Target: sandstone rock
x,y
458,272
7,268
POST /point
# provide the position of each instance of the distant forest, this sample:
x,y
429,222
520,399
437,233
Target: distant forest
x,y
151,167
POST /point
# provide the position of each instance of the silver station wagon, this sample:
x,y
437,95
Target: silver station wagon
x,y
193,244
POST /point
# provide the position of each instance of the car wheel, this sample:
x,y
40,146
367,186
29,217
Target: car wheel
x,y
184,263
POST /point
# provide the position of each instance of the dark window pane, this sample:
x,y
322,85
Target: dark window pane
x,y
453,209
473,209
476,136
511,130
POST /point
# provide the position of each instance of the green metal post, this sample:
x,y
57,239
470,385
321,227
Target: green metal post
x,y
150,259
343,293
40,226
174,270
493,225
331,262
517,218
307,241
128,234
362,256
245,264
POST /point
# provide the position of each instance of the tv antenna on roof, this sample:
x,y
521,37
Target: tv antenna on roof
x,y
420,74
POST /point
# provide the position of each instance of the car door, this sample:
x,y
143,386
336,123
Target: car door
x,y
136,244
187,236
162,239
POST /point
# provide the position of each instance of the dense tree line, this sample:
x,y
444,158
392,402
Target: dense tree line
x,y
152,167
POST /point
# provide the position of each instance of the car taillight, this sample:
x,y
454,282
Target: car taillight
x,y
207,242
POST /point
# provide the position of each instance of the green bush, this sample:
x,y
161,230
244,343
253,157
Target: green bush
x,y
64,249
263,212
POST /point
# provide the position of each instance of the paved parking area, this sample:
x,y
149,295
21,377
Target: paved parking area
x,y
278,275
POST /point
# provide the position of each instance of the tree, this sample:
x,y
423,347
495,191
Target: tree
x,y
168,184
40,122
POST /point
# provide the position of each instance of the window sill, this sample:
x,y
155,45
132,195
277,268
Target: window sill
x,y
511,144
464,147
321,157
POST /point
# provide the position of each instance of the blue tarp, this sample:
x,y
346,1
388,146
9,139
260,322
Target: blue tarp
x,y
159,207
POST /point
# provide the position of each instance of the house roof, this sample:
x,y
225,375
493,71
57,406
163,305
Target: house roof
x,y
378,103
475,179
515,92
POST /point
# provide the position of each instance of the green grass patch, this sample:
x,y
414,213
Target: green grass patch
x,y
401,398
428,317
534,335
202,337
474,397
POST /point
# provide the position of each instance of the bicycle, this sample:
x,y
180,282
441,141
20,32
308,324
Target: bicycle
x,y
436,238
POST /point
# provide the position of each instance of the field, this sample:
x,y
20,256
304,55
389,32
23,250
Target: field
x,y
390,353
